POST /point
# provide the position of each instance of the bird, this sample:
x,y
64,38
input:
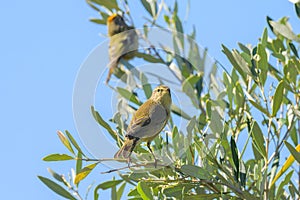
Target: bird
x,y
147,122
123,42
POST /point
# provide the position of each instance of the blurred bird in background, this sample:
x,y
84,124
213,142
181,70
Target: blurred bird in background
x,y
123,42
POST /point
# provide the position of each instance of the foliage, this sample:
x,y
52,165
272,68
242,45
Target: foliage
x,y
246,122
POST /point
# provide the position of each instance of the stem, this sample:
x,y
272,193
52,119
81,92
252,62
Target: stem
x,y
136,165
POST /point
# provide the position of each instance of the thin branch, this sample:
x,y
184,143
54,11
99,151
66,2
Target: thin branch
x,y
132,166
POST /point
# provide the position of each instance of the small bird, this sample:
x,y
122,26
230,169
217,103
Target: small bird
x,y
123,42
147,122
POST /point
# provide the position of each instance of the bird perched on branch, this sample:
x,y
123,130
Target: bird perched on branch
x,y
147,122
123,42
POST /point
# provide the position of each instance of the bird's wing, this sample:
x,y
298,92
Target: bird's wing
x,y
123,43
150,125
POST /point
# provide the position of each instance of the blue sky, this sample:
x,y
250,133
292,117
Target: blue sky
x,y
42,48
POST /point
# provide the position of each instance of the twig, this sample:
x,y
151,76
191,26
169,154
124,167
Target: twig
x,y
158,55
101,159
129,167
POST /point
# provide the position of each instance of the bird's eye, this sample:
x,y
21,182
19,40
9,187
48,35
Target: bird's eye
x,y
158,90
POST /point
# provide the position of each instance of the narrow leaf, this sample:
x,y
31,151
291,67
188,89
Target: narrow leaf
x,y
108,184
98,21
284,30
146,86
258,139
144,190
235,158
73,141
147,6
287,164
120,191
195,171
84,172
295,152
297,8
78,163
179,112
109,4
56,188
57,157
56,175
278,96
128,95
294,50
65,141
103,123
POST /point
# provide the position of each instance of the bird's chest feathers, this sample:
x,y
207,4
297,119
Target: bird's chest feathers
x,y
158,115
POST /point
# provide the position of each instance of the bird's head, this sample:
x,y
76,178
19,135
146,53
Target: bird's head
x,y
162,94
115,24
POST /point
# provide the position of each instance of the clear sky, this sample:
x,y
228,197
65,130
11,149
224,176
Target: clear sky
x,y
42,46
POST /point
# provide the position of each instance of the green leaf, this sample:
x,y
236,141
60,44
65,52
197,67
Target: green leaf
x,y
151,8
120,191
128,95
56,188
188,87
133,192
144,190
278,96
216,124
179,112
56,175
258,139
244,48
241,62
297,9
259,107
113,192
293,151
98,21
286,180
109,4
108,184
294,50
294,135
84,172
78,163
104,186
232,60
146,86
262,62
287,164
235,158
269,19
57,157
203,196
148,57
73,141
195,171
284,30
103,123
65,141
264,38
92,5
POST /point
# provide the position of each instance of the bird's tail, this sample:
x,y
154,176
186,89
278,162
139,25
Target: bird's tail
x,y
112,66
126,149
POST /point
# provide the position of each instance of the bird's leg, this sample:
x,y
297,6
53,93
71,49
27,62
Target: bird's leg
x,y
131,150
155,160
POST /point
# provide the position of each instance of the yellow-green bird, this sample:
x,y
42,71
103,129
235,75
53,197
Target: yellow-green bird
x,y
123,42
148,121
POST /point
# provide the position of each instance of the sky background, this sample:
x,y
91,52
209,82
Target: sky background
x,y
42,46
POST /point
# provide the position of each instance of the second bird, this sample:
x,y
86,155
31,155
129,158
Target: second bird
x,y
123,42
